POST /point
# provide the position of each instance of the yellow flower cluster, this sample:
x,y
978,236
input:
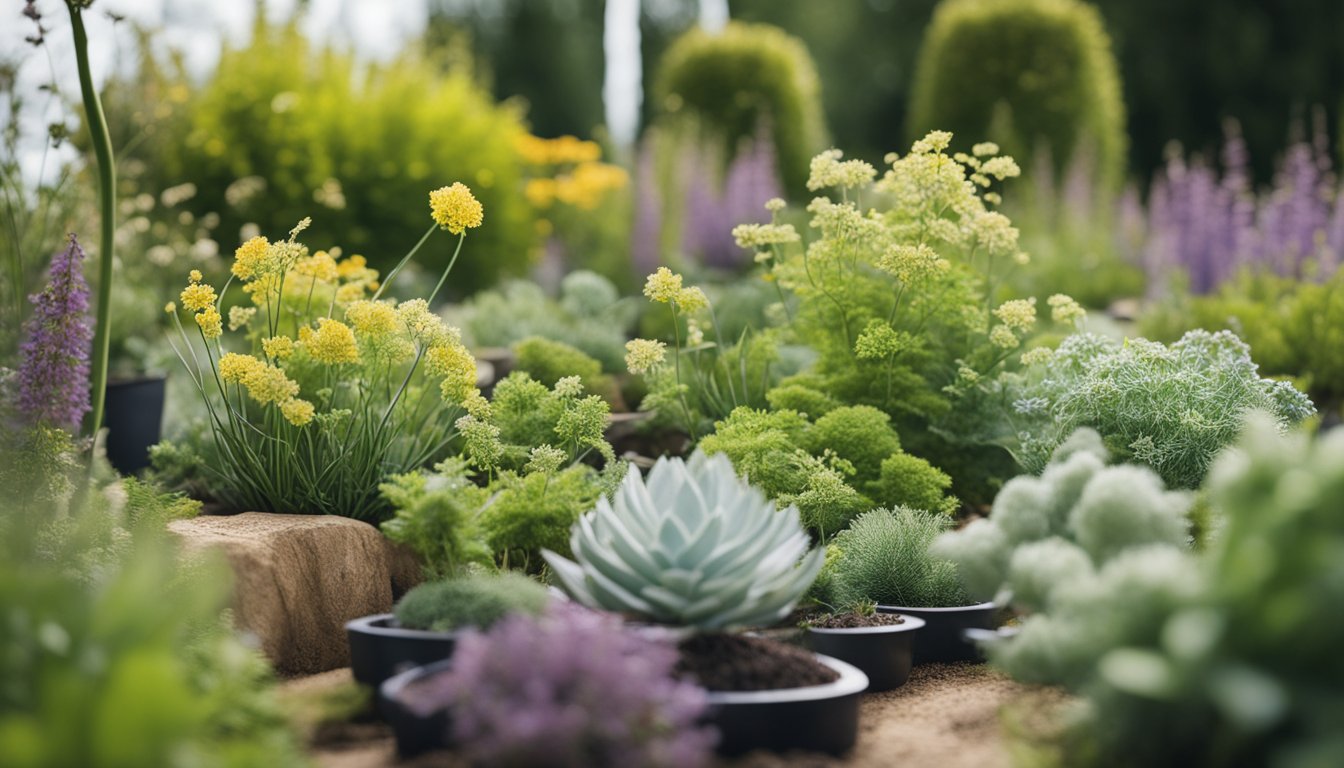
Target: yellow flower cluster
x,y
197,295
1003,337
264,383
297,412
1037,355
565,150
909,263
239,317
372,319
1018,314
249,260
456,368
663,285
319,266
278,347
828,170
425,326
585,187
455,208
333,343
643,355
1063,309
212,325
764,235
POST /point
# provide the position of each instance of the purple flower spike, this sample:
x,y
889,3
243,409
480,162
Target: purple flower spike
x,y
54,357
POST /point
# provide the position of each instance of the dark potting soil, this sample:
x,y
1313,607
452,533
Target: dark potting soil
x,y
855,621
736,663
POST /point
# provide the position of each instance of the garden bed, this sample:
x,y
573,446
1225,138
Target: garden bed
x,y
946,715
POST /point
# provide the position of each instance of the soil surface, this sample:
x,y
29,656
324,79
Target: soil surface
x,y
855,620
946,716
738,663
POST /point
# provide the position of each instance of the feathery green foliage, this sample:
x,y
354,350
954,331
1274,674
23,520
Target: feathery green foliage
x,y
549,361
474,600
532,512
436,517
744,76
1079,513
1028,71
885,557
523,415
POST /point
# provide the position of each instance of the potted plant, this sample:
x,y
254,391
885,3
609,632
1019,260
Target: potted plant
x,y
880,644
566,687
884,557
426,622
699,551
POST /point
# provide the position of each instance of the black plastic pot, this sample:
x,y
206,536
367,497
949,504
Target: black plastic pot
x,y
944,638
818,718
133,415
415,733
883,653
379,650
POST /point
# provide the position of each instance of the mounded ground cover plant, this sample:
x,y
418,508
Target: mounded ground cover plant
x,y
470,600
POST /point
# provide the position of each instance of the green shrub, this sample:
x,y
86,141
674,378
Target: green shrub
x,y
1172,408
1078,514
1226,658
550,361
735,80
885,558
1027,72
532,512
859,434
904,479
436,517
284,130
524,416
475,600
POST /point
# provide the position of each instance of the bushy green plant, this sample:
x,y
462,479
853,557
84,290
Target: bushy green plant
x,y
1172,408
436,517
588,316
746,75
816,466
524,416
532,512
282,123
1073,518
116,649
1228,658
473,600
1295,328
884,557
1033,72
550,361
695,546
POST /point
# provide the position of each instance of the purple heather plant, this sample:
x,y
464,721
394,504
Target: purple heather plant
x,y
1210,226
568,688
53,377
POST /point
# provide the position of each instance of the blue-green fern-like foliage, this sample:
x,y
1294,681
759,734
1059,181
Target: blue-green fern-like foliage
x,y
1045,533
1229,657
1171,407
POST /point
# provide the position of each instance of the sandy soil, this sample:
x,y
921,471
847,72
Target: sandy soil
x,y
946,716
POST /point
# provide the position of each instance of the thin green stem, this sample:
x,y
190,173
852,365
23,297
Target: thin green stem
x,y
393,274
107,184
462,238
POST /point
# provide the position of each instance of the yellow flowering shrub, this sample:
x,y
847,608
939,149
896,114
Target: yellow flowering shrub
x,y
321,389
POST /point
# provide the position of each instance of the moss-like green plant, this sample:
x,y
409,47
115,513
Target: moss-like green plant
x,y
474,600
1172,408
1078,514
885,557
815,466
1029,71
549,361
531,512
735,80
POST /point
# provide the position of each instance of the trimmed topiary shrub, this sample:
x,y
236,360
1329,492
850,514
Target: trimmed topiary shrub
x,y
1027,72
743,77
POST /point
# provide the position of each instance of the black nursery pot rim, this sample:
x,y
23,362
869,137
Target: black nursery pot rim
x,y
852,680
909,624
901,609
377,625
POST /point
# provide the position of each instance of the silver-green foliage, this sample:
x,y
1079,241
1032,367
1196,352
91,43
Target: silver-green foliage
x,y
884,557
1079,513
694,545
1172,408
1229,657
472,600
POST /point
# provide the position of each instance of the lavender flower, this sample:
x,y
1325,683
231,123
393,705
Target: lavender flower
x,y
568,688
647,235
54,366
713,209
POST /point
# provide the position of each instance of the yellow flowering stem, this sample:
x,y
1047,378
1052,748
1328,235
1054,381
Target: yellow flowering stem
x,y
391,275
460,239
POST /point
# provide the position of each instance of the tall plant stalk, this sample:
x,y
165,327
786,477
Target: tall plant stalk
x,y
107,184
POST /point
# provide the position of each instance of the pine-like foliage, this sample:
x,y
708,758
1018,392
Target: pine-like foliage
x,y
885,558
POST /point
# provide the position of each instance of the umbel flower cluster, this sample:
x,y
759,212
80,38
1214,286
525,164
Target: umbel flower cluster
x,y
318,386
